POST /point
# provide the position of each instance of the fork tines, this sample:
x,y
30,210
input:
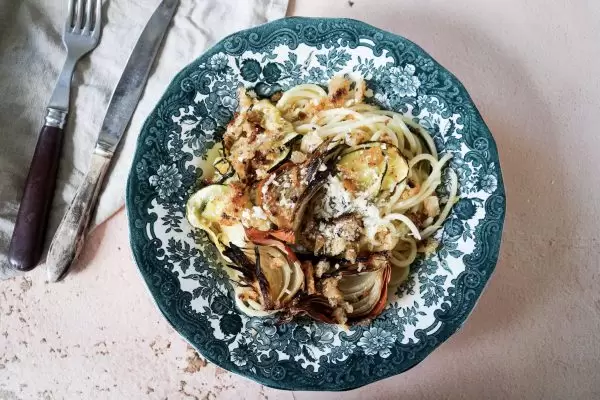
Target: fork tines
x,y
84,17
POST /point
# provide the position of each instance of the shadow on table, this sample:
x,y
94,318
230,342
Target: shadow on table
x,y
88,253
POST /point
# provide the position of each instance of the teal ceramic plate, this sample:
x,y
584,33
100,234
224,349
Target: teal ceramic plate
x,y
181,267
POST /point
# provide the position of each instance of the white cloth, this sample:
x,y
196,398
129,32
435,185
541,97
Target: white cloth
x,y
31,58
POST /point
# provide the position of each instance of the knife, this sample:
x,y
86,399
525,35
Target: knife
x,y
69,237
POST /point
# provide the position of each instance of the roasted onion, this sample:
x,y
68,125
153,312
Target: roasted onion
x,y
270,269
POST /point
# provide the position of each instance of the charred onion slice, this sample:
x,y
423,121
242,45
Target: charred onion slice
x,y
239,261
316,306
285,193
353,297
399,275
364,285
296,279
245,299
366,293
283,273
272,268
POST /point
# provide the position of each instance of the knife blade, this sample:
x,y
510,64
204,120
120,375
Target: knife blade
x,y
127,93
69,237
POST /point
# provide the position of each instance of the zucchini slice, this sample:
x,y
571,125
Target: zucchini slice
x,y
207,209
362,169
207,205
275,159
397,170
372,168
223,169
259,141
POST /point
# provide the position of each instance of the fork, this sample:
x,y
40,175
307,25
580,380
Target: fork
x,y
81,34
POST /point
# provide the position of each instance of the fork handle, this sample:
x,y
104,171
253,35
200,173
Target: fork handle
x,y
68,239
27,242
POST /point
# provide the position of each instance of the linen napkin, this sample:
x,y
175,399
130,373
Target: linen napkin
x,y
31,56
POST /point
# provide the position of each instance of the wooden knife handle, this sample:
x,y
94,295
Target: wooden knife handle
x,y
27,241
68,239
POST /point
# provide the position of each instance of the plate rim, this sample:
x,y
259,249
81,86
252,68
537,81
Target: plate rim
x,y
441,335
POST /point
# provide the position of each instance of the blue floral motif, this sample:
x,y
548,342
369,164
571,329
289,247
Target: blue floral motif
x,y
301,334
250,70
425,64
465,209
343,350
265,334
167,180
241,355
322,335
272,72
410,315
403,81
231,324
262,326
454,228
452,144
208,124
431,103
377,341
218,62
431,122
293,348
489,183
333,61
480,144
316,75
229,102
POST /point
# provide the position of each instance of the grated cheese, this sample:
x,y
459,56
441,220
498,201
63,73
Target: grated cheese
x,y
255,218
269,181
337,201
285,202
298,157
372,220
310,142
259,213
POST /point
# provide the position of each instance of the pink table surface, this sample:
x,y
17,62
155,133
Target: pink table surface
x,y
532,68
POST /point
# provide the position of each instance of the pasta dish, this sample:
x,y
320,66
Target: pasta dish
x,y
319,202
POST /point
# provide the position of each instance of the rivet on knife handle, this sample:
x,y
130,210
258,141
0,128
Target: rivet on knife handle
x,y
70,235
